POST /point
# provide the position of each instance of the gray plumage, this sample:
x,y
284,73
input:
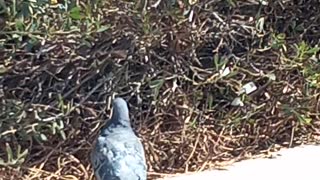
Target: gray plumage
x,y
118,153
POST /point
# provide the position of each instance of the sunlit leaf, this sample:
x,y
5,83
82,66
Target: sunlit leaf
x,y
103,28
43,137
9,152
75,13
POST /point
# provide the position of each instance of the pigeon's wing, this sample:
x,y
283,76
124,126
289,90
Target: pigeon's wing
x,y
137,158
119,156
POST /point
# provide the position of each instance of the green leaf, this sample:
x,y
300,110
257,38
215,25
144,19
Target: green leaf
x,y
103,28
63,135
260,24
21,156
305,120
313,51
19,25
54,127
231,3
3,69
9,152
43,137
75,10
156,86
281,36
3,7
2,163
156,83
75,13
61,124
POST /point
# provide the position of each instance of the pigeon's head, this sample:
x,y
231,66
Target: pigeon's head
x,y
120,111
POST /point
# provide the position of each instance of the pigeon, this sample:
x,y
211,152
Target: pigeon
x,y
118,153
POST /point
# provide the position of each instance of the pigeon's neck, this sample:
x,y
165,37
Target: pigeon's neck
x,y
121,120
115,123
121,116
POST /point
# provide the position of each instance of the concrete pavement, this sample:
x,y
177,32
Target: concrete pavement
x,y
301,163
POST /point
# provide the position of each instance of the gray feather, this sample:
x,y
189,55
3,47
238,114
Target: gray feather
x,y
118,153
